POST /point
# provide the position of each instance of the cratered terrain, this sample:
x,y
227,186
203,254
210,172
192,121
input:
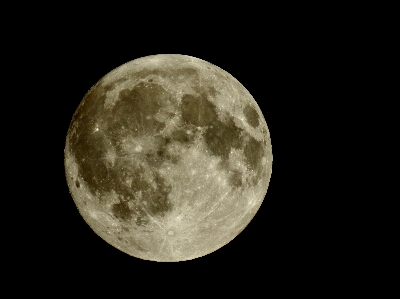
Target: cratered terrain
x,y
168,158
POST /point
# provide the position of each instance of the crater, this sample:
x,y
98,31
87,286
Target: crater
x,y
161,156
77,184
141,220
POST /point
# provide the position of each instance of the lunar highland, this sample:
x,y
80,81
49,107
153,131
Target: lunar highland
x,y
168,158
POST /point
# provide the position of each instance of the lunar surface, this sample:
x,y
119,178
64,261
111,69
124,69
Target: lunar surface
x,y
168,158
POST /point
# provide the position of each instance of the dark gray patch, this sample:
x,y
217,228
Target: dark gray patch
x,y
88,148
221,137
117,181
186,72
88,152
157,158
133,113
235,178
254,152
121,210
77,184
251,116
197,110
158,202
138,182
136,109
160,153
85,114
179,135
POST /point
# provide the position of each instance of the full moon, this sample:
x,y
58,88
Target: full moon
x,y
168,158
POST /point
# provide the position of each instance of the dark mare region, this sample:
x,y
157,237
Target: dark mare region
x,y
132,114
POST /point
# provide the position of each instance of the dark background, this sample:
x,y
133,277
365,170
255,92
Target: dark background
x,y
292,60
69,68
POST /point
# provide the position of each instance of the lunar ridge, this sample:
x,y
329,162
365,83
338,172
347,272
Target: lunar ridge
x,y
168,158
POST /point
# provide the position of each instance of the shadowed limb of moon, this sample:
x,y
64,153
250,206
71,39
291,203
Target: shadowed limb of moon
x,y
168,158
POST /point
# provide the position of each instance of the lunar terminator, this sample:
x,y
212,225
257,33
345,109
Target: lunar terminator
x,y
168,158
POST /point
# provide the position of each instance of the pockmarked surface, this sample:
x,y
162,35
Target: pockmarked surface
x,y
168,158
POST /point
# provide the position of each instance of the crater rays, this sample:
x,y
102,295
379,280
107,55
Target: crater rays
x,y
162,245
153,218
167,162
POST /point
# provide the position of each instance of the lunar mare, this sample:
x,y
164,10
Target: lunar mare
x,y
168,158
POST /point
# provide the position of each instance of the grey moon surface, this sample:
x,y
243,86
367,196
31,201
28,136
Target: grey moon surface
x,y
168,158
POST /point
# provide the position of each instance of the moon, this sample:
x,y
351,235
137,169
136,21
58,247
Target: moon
x,y
168,158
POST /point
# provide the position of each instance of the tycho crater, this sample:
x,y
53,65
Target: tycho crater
x,y
168,158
